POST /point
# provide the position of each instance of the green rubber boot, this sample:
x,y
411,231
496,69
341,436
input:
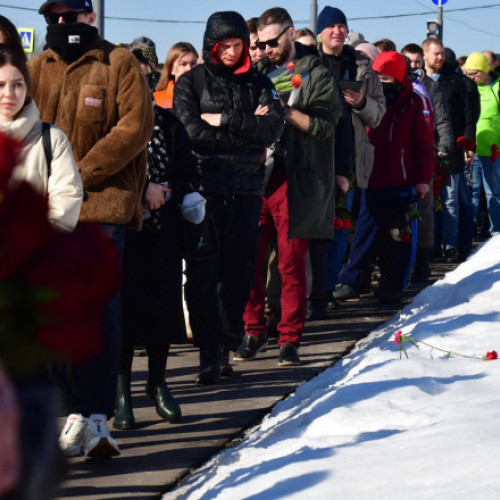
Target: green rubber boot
x,y
166,406
124,417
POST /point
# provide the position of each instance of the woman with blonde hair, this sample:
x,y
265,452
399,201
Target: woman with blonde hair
x,y
181,57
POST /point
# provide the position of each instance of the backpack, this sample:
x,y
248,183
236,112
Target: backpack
x,y
47,145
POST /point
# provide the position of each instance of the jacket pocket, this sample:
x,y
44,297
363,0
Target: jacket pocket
x,y
92,104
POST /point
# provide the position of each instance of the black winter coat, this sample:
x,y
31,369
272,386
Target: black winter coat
x,y
463,104
230,157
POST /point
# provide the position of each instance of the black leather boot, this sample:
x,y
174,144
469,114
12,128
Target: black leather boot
x,y
166,406
226,370
209,366
124,417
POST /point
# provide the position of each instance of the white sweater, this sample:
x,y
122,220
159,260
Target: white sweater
x,y
64,186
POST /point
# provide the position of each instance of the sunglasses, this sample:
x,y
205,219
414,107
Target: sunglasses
x,y
273,43
68,17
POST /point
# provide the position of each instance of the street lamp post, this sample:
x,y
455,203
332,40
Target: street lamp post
x,y
99,10
314,15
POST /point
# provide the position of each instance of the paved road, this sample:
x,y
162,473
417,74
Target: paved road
x,y
156,455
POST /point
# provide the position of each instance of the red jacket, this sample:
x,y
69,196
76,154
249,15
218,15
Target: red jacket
x,y
404,142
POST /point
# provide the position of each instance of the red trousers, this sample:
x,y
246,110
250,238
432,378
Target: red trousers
x,y
274,217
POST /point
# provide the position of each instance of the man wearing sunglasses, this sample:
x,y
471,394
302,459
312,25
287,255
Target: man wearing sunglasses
x,y
299,200
96,93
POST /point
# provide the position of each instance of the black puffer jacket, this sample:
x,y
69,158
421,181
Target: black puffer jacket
x,y
463,104
230,157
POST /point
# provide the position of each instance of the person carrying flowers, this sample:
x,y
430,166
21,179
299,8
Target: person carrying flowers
x,y
403,166
298,203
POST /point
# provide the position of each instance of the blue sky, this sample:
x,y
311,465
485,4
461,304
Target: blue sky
x,y
464,31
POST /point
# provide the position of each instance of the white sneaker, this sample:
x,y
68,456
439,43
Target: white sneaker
x,y
71,437
98,442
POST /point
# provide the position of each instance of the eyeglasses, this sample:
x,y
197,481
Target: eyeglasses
x,y
68,17
473,74
273,43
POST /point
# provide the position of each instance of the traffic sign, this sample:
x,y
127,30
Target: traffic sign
x,y
27,38
439,2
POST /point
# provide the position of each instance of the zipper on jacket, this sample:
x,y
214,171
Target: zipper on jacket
x,y
390,131
403,167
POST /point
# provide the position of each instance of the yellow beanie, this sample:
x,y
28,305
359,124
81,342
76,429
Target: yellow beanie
x,y
477,61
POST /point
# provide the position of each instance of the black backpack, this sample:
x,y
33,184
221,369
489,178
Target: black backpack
x,y
47,145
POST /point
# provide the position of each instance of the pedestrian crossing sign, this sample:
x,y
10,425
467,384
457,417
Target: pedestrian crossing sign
x,y
27,38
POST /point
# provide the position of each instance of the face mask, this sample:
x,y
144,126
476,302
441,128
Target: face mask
x,y
71,40
391,91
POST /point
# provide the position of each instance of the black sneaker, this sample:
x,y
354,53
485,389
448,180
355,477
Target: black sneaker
x,y
249,348
345,292
289,355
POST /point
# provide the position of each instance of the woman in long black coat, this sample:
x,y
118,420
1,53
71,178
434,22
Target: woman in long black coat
x,y
152,269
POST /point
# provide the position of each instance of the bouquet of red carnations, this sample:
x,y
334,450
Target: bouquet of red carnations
x,y
53,286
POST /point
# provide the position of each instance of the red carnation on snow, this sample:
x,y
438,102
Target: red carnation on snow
x,y
400,339
491,355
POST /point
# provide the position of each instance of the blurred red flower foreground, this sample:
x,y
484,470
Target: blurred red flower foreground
x,y
400,339
53,286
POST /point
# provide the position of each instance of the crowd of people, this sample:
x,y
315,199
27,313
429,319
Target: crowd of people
x,y
272,171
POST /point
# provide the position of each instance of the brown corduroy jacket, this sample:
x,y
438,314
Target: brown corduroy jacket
x,y
103,104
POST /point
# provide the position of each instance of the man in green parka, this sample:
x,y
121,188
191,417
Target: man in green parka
x,y
299,200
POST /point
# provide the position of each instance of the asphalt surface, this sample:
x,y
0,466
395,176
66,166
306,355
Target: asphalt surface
x,y
156,455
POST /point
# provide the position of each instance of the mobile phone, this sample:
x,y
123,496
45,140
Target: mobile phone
x,y
350,85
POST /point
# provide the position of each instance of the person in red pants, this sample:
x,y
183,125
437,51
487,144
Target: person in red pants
x,y
299,200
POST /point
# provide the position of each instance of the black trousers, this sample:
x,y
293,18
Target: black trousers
x,y
217,288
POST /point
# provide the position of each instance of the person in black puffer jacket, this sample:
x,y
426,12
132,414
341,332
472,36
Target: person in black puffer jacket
x,y
231,113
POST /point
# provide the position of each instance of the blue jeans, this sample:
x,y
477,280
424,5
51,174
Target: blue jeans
x,y
458,214
491,183
477,185
96,379
380,208
337,248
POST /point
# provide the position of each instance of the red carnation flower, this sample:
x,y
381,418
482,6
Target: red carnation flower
x,y
296,81
397,337
491,355
467,144
494,153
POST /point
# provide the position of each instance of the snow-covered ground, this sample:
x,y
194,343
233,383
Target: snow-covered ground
x,y
375,426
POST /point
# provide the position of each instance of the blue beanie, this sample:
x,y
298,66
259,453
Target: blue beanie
x,y
329,16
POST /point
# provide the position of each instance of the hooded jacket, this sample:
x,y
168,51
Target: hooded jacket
x,y
230,157
308,157
63,186
403,142
102,103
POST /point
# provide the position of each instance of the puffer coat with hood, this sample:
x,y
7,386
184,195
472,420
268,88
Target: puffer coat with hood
x,y
230,157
